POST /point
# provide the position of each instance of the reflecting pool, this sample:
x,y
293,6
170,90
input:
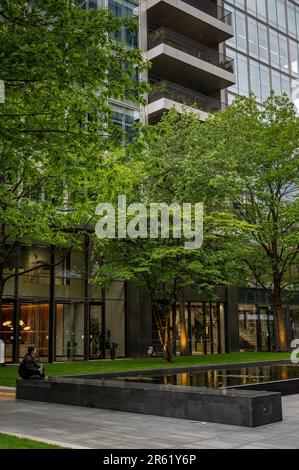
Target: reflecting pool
x,y
217,378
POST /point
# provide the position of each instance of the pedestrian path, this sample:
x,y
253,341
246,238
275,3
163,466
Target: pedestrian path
x,y
77,427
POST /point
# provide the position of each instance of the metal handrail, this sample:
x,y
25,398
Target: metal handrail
x,y
212,9
194,48
179,94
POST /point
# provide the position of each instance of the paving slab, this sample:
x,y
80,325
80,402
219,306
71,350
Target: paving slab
x,y
78,427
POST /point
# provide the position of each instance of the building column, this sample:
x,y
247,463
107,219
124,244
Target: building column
x,y
16,316
232,321
52,309
289,327
86,298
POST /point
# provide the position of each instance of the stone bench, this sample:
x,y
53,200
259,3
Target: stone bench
x,y
225,406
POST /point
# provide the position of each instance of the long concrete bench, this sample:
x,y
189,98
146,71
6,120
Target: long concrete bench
x,y
226,406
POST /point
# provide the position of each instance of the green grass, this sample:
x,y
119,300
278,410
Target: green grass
x,y
12,442
9,373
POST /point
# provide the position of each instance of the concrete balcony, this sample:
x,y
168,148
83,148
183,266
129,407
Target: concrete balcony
x,y
193,65
201,20
167,95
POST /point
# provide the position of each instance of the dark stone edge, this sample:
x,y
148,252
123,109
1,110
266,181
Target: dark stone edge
x,y
172,370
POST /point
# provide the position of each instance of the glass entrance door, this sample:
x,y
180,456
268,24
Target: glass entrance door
x,y
6,330
205,326
34,329
248,328
265,331
198,333
69,331
96,328
295,322
256,328
208,338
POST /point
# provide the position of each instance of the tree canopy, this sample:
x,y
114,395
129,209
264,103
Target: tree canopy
x,y
258,147
165,155
60,65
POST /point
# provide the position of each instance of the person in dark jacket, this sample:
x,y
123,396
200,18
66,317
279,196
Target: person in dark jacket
x,y
29,367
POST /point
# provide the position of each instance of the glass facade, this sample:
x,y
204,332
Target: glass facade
x,y
124,119
55,308
265,46
69,340
256,328
294,314
124,116
125,9
205,323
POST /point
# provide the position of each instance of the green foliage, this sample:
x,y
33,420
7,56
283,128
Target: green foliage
x,y
260,146
60,64
166,156
167,153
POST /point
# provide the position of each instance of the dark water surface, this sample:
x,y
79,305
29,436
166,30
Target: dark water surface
x,y
221,377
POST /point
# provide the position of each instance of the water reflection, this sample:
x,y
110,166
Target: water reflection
x,y
221,377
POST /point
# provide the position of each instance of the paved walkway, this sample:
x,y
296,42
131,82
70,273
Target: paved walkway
x,y
92,428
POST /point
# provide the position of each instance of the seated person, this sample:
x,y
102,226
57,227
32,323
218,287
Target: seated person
x,y
29,367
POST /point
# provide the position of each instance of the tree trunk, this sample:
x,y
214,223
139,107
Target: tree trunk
x,y
162,321
280,323
182,325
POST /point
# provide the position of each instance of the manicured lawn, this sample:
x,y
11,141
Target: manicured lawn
x,y
9,373
12,442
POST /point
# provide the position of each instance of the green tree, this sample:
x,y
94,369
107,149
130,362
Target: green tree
x,y
164,265
60,65
257,148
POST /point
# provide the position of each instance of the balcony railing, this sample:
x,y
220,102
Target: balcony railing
x,y
212,9
178,41
166,89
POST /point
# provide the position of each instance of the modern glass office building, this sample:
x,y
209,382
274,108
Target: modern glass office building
x,y
203,53
264,47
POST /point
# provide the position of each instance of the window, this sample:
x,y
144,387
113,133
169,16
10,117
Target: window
x,y
261,9
263,43
272,12
125,9
251,6
253,38
241,31
294,57
255,79
124,119
285,85
265,82
274,48
292,19
281,14
243,75
232,41
276,84
233,55
283,53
